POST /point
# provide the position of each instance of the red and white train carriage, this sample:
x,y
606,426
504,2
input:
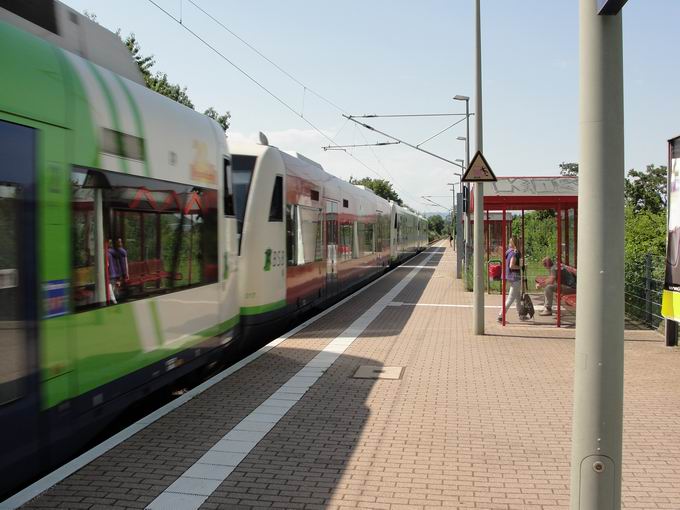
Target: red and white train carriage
x,y
307,237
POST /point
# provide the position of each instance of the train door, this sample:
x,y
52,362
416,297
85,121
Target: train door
x,y
19,398
331,247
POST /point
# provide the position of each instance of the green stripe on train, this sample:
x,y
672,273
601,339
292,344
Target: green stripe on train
x,y
137,116
256,310
113,111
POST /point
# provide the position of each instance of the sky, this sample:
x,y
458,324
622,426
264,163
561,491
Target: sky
x,y
405,57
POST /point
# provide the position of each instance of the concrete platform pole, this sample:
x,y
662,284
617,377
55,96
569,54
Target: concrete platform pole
x,y
478,237
598,367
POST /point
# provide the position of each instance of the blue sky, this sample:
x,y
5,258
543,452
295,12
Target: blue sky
x,y
402,56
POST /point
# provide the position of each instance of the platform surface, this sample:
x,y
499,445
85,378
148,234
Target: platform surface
x,y
467,422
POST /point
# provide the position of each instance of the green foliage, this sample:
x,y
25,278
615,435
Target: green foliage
x,y
646,190
222,120
569,169
159,82
144,63
645,245
381,187
436,227
540,231
645,233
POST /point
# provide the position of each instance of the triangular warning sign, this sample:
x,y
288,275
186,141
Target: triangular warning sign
x,y
479,170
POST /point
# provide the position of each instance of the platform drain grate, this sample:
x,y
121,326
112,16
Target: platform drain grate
x,y
378,372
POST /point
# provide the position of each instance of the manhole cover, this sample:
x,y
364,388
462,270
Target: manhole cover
x,y
377,372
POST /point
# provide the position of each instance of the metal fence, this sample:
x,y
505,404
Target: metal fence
x,y
644,279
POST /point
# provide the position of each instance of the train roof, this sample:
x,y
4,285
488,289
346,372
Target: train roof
x,y
309,170
117,124
66,28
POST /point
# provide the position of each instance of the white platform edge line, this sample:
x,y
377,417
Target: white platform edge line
x,y
35,489
338,345
397,303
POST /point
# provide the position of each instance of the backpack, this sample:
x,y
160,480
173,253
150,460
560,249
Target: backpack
x,y
526,306
567,278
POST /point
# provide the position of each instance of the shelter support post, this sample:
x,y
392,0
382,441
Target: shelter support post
x,y
566,236
504,235
559,265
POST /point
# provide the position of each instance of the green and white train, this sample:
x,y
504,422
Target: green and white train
x,y
122,221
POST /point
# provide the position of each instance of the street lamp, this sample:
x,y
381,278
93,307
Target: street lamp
x,y
463,257
467,132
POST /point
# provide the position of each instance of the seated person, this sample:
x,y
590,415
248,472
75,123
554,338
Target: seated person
x,y
549,283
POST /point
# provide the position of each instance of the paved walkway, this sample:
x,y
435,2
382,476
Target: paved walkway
x,y
472,422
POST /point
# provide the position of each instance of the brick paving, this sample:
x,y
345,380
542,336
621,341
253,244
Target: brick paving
x,y
474,422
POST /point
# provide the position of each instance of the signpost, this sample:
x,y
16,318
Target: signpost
x,y
479,170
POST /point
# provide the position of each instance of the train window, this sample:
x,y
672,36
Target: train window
x,y
18,307
346,247
304,235
309,235
228,196
345,203
122,144
242,174
368,239
135,237
276,207
13,365
291,235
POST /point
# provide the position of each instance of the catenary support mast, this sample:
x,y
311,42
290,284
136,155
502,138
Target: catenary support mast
x,y
598,367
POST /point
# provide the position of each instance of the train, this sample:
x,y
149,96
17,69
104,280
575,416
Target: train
x,y
137,247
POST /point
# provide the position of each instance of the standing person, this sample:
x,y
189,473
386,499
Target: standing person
x,y
513,277
113,271
122,259
450,239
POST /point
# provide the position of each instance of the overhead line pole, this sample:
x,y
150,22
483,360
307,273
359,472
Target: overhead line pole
x,y
478,241
597,423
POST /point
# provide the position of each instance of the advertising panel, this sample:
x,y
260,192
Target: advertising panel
x,y
670,307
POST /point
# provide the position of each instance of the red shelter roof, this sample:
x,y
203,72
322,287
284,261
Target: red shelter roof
x,y
516,193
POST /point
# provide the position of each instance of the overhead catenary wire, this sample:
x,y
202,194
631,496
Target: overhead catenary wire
x,y
260,85
306,88
311,91
399,115
350,117
441,132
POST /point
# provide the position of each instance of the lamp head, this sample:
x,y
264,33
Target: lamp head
x,y
458,97
461,138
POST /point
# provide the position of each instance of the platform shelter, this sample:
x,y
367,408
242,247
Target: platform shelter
x,y
517,195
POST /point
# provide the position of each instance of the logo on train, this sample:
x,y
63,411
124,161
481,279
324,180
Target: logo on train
x,y
201,169
274,258
268,259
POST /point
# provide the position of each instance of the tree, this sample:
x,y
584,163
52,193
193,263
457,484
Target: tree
x,y
436,224
569,169
646,190
144,63
222,120
380,187
159,82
